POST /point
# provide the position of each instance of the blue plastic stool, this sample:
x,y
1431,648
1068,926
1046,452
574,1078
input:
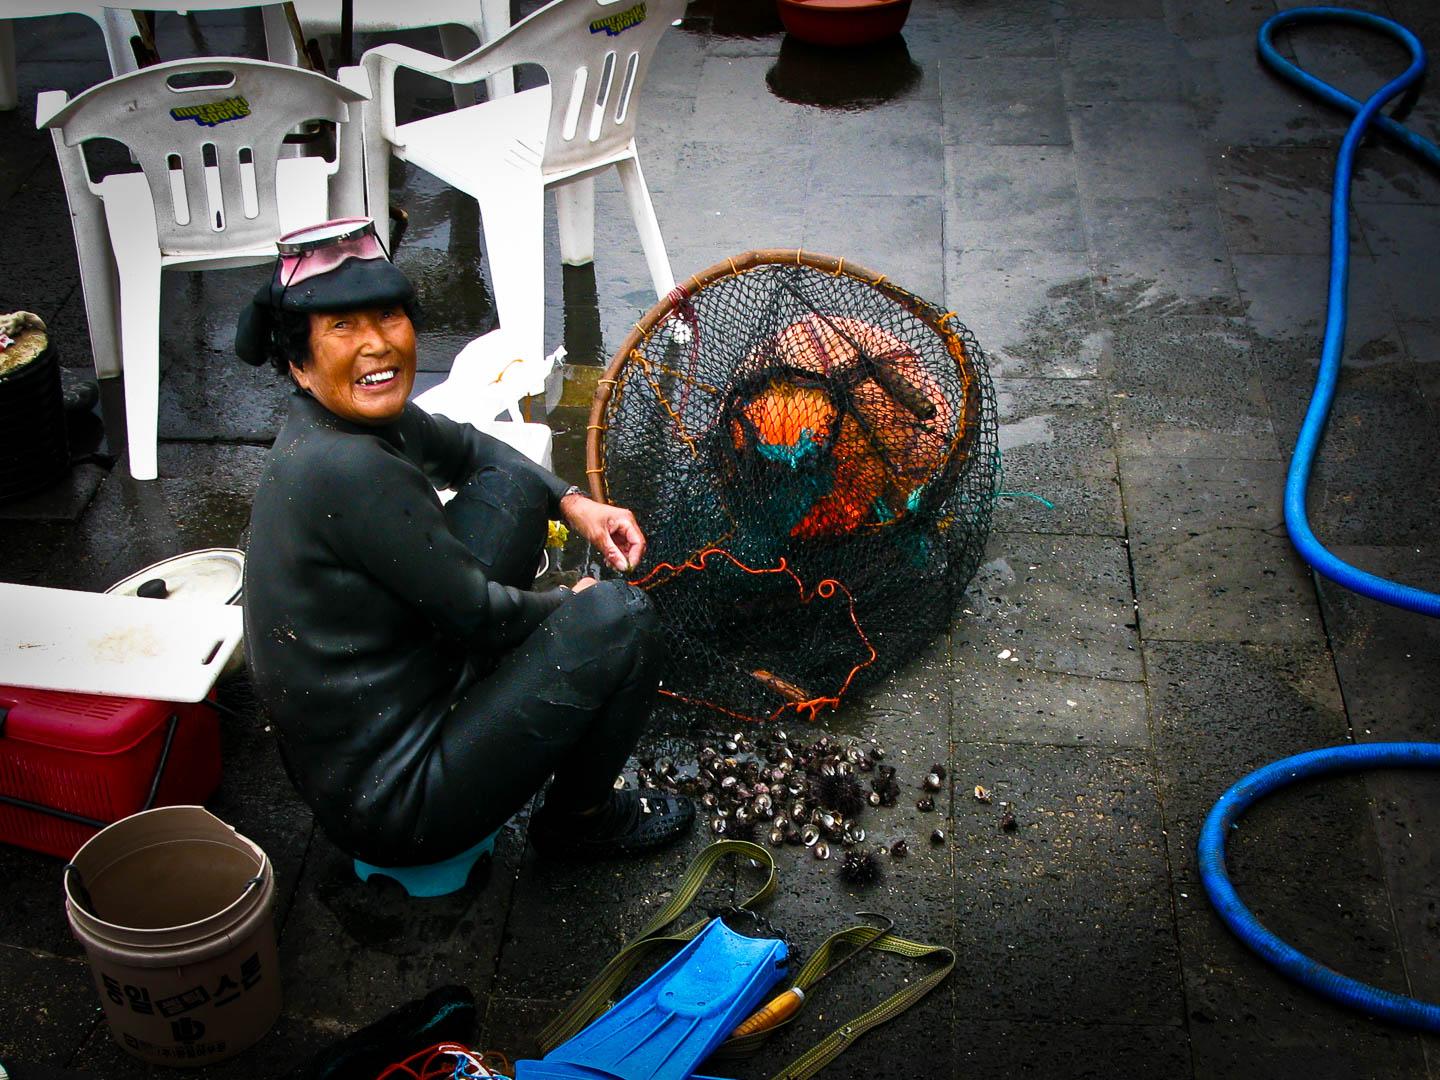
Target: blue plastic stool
x,y
434,879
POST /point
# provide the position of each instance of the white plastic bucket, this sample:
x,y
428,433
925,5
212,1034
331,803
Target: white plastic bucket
x,y
175,910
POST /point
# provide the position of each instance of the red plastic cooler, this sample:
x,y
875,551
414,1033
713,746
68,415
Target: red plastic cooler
x,y
73,763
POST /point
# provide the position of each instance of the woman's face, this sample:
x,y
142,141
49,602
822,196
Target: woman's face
x,y
362,363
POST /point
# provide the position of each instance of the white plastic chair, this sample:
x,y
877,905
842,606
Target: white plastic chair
x,y
485,19
117,25
505,153
214,192
121,30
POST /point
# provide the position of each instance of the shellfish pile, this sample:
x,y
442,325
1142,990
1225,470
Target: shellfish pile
x,y
766,787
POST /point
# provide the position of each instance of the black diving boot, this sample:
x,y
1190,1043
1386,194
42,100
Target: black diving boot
x,y
630,822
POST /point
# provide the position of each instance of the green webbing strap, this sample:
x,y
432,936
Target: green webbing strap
x,y
854,939
834,1044
595,998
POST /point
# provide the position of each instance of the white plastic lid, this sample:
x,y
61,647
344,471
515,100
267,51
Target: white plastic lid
x,y
208,576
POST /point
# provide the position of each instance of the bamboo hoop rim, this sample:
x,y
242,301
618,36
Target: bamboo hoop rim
x,y
730,267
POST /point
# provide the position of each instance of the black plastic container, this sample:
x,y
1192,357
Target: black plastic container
x,y
34,453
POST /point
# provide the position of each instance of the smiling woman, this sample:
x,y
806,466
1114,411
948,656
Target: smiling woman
x,y
362,363
422,690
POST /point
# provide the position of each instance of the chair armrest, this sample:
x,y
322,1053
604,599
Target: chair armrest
x,y
47,104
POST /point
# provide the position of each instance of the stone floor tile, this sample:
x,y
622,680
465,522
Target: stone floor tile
x,y
50,1004
1002,102
1140,36
1284,298
1276,200
1383,654
1213,405
1056,442
1210,557
1032,311
1245,1017
1197,23
1097,945
897,236
1110,138
1177,243
990,28
1371,463
892,150
1073,807
1221,711
1141,286
1003,701
1168,499
1012,197
1009,1050
1063,604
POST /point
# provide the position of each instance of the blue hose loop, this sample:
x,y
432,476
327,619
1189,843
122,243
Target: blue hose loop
x,y
1291,962
1298,479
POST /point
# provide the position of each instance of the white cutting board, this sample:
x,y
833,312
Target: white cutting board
x,y
126,646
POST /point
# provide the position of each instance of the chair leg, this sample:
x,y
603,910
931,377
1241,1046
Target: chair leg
x,y
643,211
130,221
575,215
279,41
512,217
455,43
140,347
9,88
495,15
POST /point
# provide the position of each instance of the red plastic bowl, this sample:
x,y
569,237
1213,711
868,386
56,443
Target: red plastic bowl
x,y
843,22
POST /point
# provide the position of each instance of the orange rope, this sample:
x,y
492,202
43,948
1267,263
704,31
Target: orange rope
x,y
824,590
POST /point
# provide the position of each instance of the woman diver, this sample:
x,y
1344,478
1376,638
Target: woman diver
x,y
420,689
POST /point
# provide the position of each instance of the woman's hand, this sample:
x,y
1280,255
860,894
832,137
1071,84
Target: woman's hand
x,y
612,530
583,584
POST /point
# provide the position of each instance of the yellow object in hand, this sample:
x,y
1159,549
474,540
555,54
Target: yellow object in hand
x,y
557,535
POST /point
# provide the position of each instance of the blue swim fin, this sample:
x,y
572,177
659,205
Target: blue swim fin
x,y
674,1020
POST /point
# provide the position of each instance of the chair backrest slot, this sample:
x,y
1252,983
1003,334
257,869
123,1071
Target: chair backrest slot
x,y
209,79
179,202
249,193
214,194
622,106
576,103
602,96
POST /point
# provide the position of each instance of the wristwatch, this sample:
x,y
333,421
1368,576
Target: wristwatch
x,y
573,489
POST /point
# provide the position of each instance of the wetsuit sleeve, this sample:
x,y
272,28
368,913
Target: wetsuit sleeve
x,y
448,452
383,518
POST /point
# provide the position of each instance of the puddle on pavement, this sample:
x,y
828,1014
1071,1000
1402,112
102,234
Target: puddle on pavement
x,y
848,80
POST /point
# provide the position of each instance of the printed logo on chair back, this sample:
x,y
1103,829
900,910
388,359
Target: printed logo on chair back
x,y
617,24
212,113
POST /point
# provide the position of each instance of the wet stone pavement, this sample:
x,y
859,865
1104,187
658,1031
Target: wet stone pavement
x,y
1129,212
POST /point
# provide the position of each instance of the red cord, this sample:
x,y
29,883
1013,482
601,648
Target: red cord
x,y
825,590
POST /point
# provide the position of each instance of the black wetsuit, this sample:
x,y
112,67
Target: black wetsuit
x,y
420,695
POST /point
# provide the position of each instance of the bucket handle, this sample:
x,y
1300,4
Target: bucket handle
x,y
78,891
82,896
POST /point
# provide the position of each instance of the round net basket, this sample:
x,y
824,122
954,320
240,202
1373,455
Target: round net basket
x,y
812,454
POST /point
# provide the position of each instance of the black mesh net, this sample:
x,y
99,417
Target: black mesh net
x,y
812,453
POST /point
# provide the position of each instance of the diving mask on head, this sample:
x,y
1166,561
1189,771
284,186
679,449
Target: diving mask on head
x,y
336,265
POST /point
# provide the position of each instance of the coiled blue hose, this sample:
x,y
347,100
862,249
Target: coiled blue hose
x,y
1298,479
1234,803
1247,928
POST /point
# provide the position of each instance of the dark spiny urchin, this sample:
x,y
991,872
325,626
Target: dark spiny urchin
x,y
886,786
842,792
861,868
